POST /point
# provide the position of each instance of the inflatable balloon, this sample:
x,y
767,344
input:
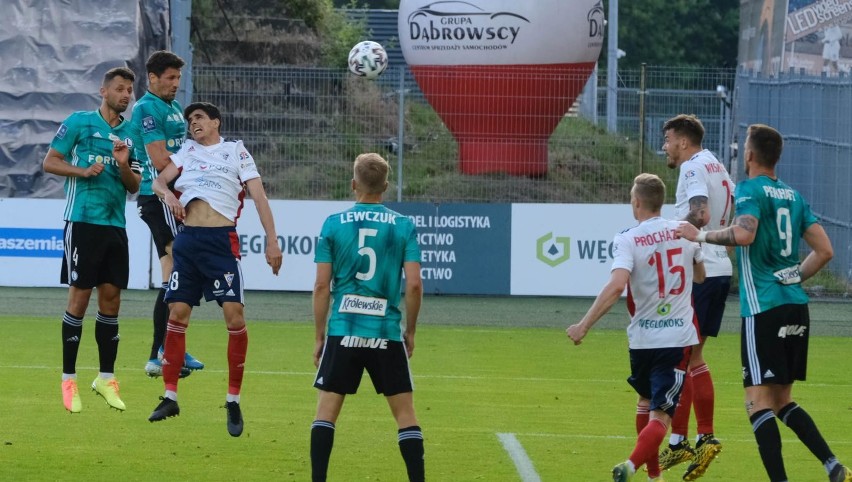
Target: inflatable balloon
x,y
501,73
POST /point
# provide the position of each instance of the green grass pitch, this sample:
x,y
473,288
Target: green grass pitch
x,y
482,367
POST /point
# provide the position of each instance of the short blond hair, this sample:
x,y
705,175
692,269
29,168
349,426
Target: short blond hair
x,y
371,173
651,190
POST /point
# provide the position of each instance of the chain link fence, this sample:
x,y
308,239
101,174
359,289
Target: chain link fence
x,y
306,125
812,113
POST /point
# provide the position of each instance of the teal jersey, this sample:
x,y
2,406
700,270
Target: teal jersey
x,y
85,138
367,246
156,120
783,217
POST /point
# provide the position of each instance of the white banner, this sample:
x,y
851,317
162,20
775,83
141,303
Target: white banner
x,y
556,249
298,225
565,249
31,243
500,32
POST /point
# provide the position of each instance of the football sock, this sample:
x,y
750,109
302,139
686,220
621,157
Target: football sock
x,y
803,425
72,331
106,334
703,397
769,443
174,349
161,318
642,416
680,420
830,464
648,443
411,448
237,348
322,440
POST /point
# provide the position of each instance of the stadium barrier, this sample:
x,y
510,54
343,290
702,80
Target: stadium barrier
x,y
474,249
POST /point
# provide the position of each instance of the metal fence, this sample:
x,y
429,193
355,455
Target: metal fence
x,y
305,126
813,115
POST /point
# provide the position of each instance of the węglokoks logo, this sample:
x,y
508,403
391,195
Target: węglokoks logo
x,y
555,250
463,24
551,250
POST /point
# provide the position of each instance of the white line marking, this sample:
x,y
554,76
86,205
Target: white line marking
x,y
519,457
437,377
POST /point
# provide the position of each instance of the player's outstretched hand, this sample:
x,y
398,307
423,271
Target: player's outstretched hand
x,y
687,231
274,258
576,333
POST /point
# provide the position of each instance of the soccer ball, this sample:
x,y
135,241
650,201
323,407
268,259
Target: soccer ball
x,y
368,59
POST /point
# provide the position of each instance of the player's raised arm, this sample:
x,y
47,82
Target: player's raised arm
x,y
129,177
55,163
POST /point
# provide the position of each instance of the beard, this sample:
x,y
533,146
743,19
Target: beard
x,y
117,106
671,162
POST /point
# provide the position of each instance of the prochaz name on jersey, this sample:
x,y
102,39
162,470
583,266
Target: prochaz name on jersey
x,y
655,238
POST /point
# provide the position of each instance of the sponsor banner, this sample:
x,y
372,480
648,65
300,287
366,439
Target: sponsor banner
x,y
32,245
31,242
805,17
817,37
298,225
803,35
464,247
500,32
565,249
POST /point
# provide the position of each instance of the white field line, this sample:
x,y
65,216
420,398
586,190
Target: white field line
x,y
519,457
437,377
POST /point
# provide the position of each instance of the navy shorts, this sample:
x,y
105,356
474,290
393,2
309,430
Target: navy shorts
x,y
709,299
657,374
774,346
206,261
95,254
160,221
344,359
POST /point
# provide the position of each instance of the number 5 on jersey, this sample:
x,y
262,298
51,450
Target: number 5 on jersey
x,y
367,251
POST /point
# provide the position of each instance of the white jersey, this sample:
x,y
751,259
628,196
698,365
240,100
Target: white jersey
x,y
704,175
215,174
659,294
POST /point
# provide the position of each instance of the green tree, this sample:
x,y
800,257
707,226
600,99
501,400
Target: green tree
x,y
678,32
335,33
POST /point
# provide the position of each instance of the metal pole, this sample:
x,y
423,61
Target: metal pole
x,y
722,130
642,118
400,135
612,68
180,12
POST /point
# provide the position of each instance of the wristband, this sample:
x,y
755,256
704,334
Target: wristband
x,y
702,236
